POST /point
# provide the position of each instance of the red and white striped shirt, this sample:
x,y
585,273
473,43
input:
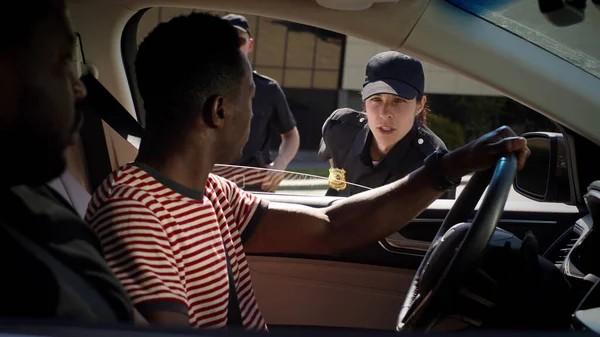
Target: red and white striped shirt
x,y
165,243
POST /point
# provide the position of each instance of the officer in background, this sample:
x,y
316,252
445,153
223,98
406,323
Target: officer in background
x,y
387,140
271,111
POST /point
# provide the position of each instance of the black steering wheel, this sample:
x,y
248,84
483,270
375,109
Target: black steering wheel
x,y
457,247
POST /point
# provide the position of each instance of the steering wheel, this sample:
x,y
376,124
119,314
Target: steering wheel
x,y
457,246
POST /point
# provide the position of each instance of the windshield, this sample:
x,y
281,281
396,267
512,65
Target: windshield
x,y
317,182
578,44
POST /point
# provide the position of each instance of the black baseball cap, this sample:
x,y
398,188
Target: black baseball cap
x,y
394,73
238,22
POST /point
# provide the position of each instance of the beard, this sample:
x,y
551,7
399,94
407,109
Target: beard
x,y
35,144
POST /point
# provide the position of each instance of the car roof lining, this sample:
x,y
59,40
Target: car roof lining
x,y
384,23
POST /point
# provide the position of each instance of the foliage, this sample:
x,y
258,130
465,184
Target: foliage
x,y
477,115
451,133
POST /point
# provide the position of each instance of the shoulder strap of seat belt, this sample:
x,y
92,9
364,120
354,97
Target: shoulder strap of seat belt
x,y
234,314
99,105
100,101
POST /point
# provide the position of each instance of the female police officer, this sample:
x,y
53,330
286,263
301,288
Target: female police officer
x,y
388,140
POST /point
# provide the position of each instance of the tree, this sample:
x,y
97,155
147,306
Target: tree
x,y
478,115
450,132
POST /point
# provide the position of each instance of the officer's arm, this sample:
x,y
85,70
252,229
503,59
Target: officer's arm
x,y
286,124
290,142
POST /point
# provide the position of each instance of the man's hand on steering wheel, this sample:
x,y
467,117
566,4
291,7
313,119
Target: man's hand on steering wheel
x,y
483,153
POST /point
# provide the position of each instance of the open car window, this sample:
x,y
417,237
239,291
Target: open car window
x,y
311,182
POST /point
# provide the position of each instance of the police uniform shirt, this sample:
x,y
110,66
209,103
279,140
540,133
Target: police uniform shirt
x,y
347,140
271,111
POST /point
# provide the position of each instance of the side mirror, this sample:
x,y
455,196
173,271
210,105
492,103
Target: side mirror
x,y
545,176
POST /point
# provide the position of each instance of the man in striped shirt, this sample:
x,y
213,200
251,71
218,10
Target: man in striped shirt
x,y
176,235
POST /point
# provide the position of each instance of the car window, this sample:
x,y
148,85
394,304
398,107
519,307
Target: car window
x,y
320,71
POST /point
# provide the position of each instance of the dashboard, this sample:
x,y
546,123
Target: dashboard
x,y
581,266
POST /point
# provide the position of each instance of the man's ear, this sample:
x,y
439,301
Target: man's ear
x,y
213,112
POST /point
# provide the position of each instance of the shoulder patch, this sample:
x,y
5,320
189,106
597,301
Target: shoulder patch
x,y
345,116
350,116
263,77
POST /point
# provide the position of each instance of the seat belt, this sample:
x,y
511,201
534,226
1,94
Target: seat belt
x,y
234,315
105,105
84,290
99,105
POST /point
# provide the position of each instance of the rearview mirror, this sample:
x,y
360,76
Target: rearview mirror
x,y
545,176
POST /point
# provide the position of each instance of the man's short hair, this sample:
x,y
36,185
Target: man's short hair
x,y
181,64
23,17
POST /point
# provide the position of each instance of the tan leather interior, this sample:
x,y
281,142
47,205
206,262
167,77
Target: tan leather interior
x,y
326,293
120,150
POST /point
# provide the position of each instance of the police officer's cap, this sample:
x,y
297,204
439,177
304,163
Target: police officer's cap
x,y
394,73
238,22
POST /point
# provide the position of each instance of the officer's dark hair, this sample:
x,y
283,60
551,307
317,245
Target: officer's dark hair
x,y
180,65
15,32
422,117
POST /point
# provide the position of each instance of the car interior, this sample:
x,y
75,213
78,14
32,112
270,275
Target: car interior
x,y
476,262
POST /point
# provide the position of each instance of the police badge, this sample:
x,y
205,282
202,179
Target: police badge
x,y
337,179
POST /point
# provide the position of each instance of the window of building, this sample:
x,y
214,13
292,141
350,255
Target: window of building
x,y
293,54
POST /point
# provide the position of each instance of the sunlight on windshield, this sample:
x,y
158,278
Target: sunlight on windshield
x,y
293,182
304,184
578,44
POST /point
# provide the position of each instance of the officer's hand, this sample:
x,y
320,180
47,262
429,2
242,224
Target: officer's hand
x,y
272,178
483,153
